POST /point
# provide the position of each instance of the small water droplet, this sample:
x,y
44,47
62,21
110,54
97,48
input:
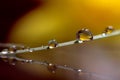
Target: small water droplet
x,y
65,65
84,35
51,68
12,49
79,70
4,51
31,61
108,30
52,44
78,41
28,61
31,50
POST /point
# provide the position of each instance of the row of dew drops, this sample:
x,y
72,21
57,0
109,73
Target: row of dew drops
x,y
82,35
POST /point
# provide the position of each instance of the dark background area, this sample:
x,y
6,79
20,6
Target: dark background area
x,y
12,10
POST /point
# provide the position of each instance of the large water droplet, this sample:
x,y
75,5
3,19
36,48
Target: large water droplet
x,y
84,35
108,30
52,44
51,68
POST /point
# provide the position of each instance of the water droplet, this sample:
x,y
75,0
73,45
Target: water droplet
x,y
51,68
79,70
65,65
12,49
108,30
31,50
31,61
28,61
84,35
4,51
52,44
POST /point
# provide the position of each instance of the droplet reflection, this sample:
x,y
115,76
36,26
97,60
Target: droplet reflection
x,y
51,68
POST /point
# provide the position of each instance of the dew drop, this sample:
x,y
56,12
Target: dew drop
x,y
108,30
51,68
79,70
84,35
28,61
65,65
12,49
4,51
52,44
31,50
31,61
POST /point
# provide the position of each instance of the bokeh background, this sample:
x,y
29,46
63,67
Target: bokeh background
x,y
35,22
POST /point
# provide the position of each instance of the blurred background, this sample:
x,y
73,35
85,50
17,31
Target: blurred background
x,y
35,22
